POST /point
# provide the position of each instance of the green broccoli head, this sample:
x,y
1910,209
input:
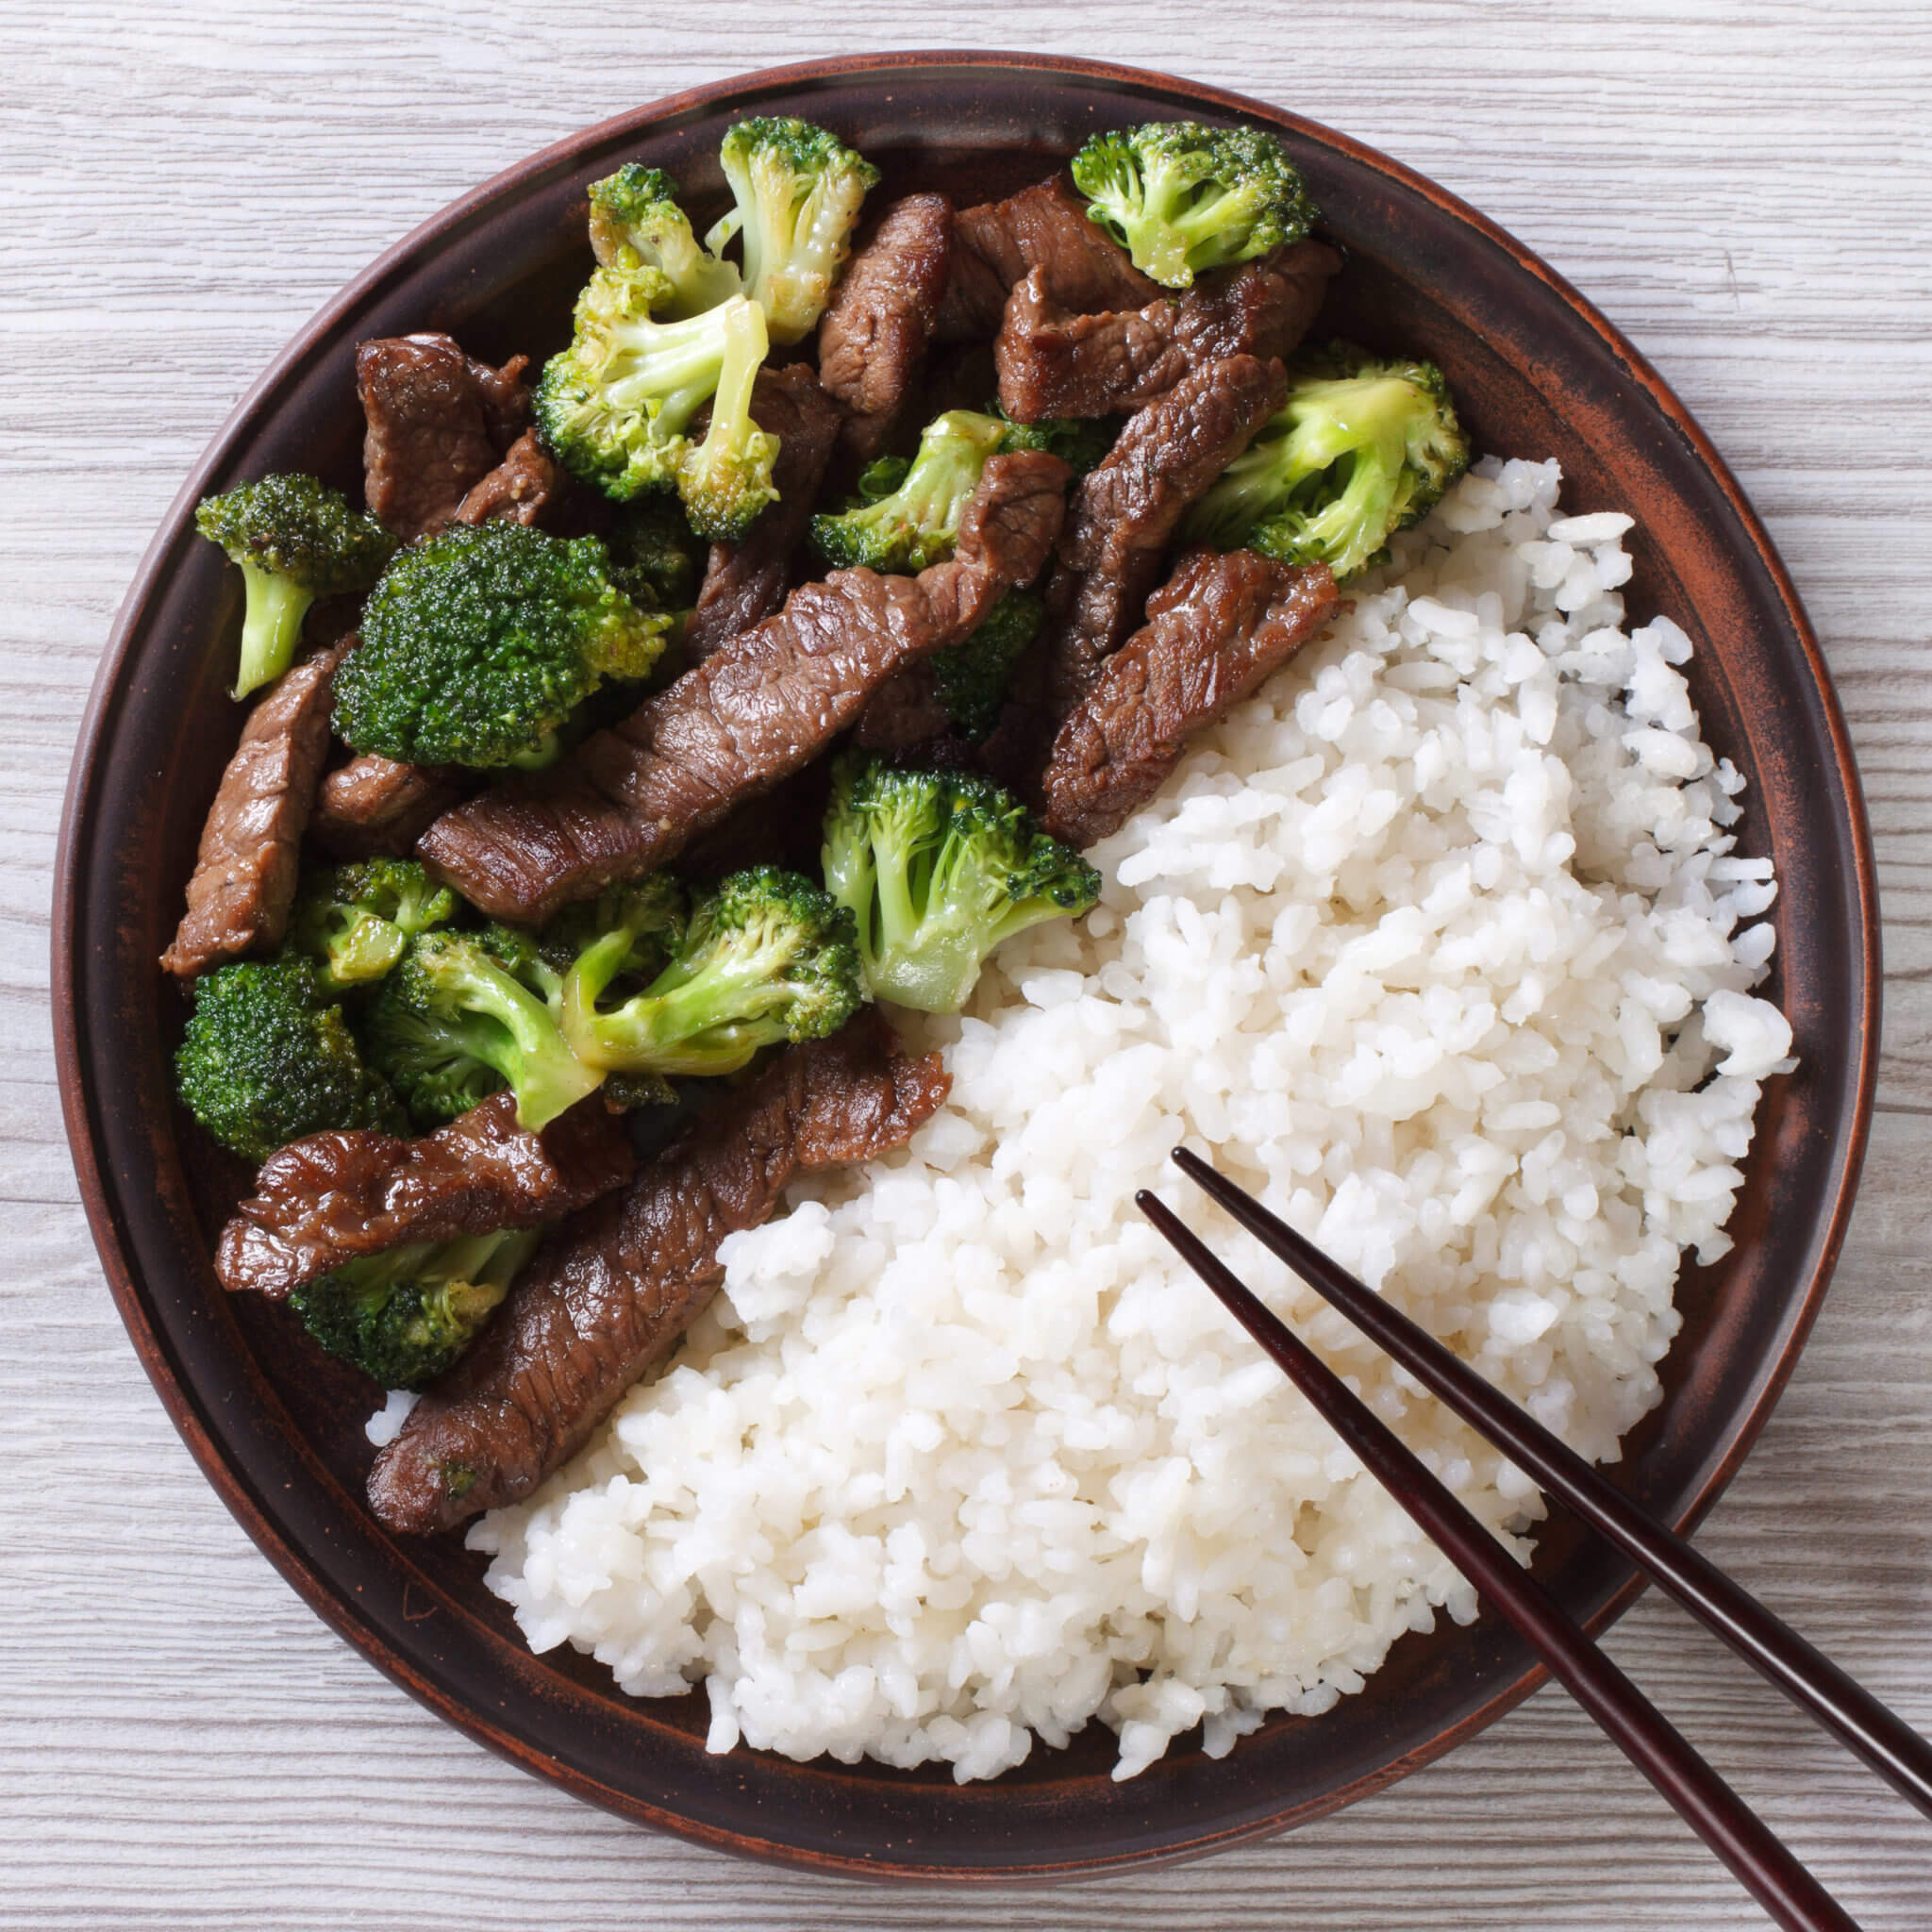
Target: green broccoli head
x,y
907,516
972,680
798,191
637,224
1081,443
465,1012
435,1064
614,408
727,479
766,956
267,1059
1365,446
657,559
295,539
404,1316
938,868
642,919
356,920
1181,198
480,642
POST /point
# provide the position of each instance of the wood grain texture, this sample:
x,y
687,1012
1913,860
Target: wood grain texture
x,y
1746,193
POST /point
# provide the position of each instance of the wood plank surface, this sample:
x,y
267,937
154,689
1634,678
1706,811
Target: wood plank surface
x,y
1747,190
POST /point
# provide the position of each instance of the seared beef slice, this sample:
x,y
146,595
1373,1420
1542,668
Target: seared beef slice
x,y
1045,227
1053,360
244,873
334,1197
377,804
746,582
517,491
438,423
879,324
749,715
1214,631
1125,513
610,1294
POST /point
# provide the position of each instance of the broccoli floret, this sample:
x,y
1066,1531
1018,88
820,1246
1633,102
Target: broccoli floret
x,y
636,223
649,914
766,956
267,1057
477,643
727,479
356,920
908,515
435,1063
295,539
404,1316
657,559
1081,443
972,680
615,406
798,191
1365,446
463,1008
1181,197
938,868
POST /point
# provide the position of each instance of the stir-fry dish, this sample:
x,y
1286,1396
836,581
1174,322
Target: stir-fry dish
x,y
689,699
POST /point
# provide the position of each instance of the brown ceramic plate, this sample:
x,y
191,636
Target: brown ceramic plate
x,y
1536,371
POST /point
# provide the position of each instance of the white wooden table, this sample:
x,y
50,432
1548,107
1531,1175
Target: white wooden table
x,y
1745,190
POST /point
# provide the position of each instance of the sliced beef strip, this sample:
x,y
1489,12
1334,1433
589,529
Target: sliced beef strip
x,y
746,582
1119,524
1046,226
374,804
335,1197
903,712
748,716
243,881
518,491
438,423
610,1295
1125,513
1214,631
879,324
1056,361
782,826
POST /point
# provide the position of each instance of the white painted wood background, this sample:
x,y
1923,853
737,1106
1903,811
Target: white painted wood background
x,y
1744,190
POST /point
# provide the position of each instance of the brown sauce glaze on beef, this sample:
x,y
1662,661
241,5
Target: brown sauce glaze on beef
x,y
243,881
880,320
1214,631
1126,512
1119,521
374,804
748,716
905,712
332,1198
518,491
1046,226
746,582
1053,360
438,421
609,1295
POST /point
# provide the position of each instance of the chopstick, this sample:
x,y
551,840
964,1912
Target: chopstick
x,y
1896,1752
1793,1897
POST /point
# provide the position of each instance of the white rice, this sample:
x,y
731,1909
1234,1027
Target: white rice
x,y
1440,945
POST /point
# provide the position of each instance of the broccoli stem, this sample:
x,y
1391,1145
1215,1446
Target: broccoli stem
x,y
548,1077
272,626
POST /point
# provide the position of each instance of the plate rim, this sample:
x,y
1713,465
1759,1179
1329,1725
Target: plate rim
x,y
109,689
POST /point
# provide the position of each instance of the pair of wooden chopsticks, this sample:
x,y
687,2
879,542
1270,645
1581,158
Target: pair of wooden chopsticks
x,y
1769,1872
